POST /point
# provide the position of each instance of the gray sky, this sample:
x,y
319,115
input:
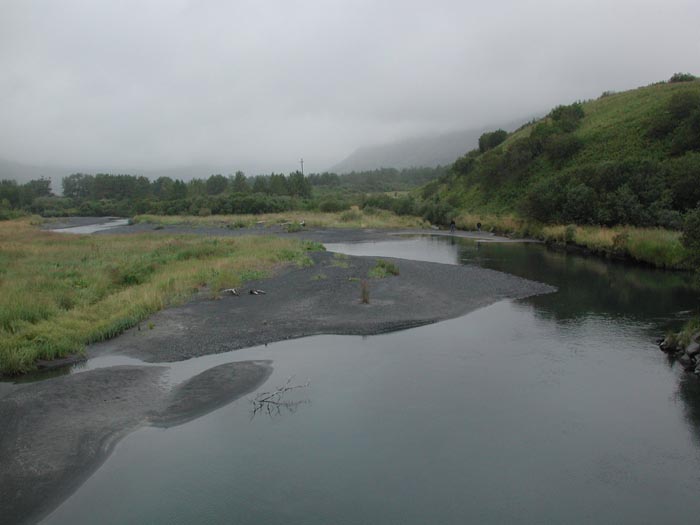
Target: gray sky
x,y
257,84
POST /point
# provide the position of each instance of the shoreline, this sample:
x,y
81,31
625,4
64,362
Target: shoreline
x,y
90,411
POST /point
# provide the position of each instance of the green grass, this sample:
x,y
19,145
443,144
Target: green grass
x,y
60,292
654,246
383,269
353,218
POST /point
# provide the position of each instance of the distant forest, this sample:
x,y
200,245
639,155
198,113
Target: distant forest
x,y
124,195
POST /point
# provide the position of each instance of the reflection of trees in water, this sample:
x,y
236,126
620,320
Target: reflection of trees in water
x,y
689,392
588,284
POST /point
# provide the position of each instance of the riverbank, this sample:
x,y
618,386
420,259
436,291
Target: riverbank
x,y
59,293
89,411
657,247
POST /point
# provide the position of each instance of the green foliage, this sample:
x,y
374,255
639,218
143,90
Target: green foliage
x,y
492,139
437,211
691,236
682,77
568,117
333,204
383,269
632,158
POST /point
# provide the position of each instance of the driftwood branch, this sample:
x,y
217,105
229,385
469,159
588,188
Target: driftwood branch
x,y
273,402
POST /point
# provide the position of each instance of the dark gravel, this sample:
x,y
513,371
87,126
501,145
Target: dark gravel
x,y
323,299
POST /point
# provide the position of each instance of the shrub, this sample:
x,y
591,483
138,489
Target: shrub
x,y
682,77
333,204
437,212
683,104
544,200
562,147
351,215
691,236
490,140
568,117
383,269
579,206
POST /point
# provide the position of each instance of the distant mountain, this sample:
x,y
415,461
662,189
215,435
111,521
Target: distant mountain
x,y
425,151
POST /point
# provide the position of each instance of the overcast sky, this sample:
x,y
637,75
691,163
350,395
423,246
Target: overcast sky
x,y
257,84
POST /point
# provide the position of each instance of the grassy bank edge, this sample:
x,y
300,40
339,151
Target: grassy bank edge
x,y
352,218
67,331
657,247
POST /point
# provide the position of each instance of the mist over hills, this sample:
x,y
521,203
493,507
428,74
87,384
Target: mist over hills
x,y
424,151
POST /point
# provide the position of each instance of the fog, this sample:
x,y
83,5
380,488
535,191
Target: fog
x,y
145,85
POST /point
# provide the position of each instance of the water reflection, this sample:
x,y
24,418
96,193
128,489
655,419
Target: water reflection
x,y
590,285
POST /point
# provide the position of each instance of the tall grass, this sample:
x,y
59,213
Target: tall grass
x,y
655,246
60,292
353,218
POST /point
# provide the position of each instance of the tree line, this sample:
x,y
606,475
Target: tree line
x,y
124,194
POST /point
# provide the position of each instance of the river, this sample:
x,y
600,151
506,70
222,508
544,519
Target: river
x,y
554,409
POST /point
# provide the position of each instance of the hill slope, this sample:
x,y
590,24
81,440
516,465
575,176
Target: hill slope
x,y
625,158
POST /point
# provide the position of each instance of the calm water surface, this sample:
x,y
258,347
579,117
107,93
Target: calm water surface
x,y
553,409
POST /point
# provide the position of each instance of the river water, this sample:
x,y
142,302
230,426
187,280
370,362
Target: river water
x,y
554,409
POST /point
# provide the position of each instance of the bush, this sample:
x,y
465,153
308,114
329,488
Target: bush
x,y
579,206
437,212
333,204
562,147
682,77
544,200
691,236
352,215
383,269
490,140
568,117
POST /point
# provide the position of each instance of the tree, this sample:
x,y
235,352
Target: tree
x,y
78,186
216,184
298,185
490,140
239,184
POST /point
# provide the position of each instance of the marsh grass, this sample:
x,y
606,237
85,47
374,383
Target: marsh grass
x,y
60,292
383,269
655,246
353,218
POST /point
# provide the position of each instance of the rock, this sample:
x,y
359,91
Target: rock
x,y
697,369
687,362
669,344
695,337
692,349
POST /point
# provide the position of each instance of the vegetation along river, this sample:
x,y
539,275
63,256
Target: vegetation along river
x,y
558,408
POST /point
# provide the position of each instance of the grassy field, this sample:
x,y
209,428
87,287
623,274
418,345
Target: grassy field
x,y
353,218
655,246
60,292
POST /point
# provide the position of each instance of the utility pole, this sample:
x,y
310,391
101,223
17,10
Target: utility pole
x,y
302,166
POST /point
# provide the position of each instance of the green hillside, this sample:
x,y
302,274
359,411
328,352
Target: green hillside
x,y
625,158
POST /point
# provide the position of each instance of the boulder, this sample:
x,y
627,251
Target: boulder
x,y
687,362
692,349
669,344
